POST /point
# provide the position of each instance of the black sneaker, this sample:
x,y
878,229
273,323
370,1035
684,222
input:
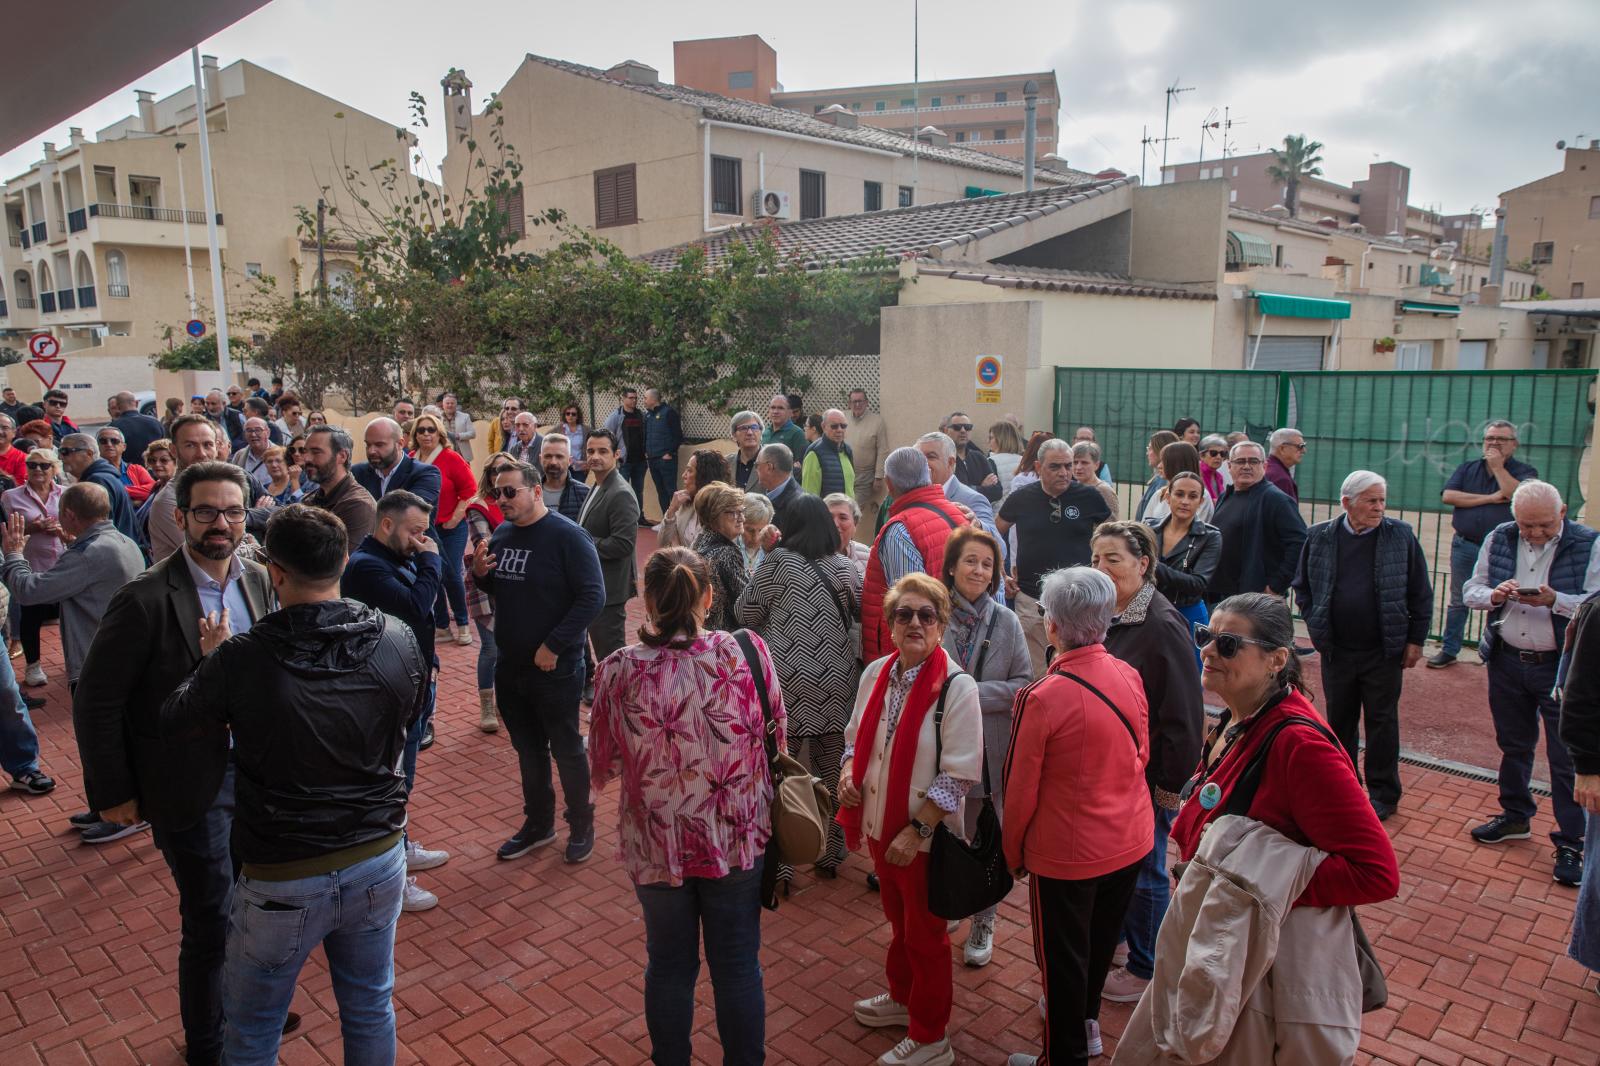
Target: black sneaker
x,y
580,845
1569,867
1384,811
1500,828
33,703
85,820
1441,660
872,882
526,840
106,832
33,782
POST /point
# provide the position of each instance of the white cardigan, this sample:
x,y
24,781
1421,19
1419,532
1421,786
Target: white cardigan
x,y
962,756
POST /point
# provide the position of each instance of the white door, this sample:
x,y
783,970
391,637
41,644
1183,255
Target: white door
x,y
1472,355
1541,355
1414,355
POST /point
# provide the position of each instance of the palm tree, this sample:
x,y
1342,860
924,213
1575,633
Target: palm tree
x,y
1297,159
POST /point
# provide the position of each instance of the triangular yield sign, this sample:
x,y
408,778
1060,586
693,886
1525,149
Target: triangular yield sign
x,y
47,370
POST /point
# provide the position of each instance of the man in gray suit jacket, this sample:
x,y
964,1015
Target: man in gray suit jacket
x,y
610,515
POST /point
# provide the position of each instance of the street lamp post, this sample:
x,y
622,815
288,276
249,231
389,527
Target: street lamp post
x,y
183,210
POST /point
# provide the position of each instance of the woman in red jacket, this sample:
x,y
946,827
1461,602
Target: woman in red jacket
x,y
1078,820
456,489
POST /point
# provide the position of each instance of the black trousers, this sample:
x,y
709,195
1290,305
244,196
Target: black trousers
x,y
540,711
1366,683
1076,926
609,630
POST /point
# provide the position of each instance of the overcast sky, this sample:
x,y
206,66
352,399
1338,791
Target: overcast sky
x,y
1470,95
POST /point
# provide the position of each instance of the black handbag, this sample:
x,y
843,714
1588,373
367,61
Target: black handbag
x,y
966,877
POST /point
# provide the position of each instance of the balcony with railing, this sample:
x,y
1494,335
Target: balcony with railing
x,y
86,296
149,214
120,292
41,232
138,224
22,239
65,300
16,240
47,303
77,220
24,303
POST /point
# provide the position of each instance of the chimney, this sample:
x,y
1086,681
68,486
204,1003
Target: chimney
x,y
933,135
49,151
1051,161
633,72
1328,222
147,109
458,101
1594,144
1030,126
213,81
75,135
838,115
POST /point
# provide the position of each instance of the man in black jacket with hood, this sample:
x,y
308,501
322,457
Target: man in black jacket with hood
x,y
318,696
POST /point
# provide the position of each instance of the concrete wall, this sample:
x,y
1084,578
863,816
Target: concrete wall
x,y
1179,233
1555,209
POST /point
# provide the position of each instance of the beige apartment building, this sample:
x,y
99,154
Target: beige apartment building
x,y
649,164
1553,226
94,231
1378,203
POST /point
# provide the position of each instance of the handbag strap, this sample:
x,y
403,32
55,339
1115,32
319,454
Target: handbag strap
x,y
1107,701
834,595
759,675
938,735
983,649
1243,793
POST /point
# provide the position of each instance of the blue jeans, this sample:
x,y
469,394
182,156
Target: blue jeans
x,y
452,546
727,911
274,925
1463,557
408,760
488,653
201,860
19,743
1585,946
1519,699
664,472
634,472
1151,894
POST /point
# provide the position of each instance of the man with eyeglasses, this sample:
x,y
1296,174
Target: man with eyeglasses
x,y
236,399
183,785
231,422
1262,531
829,464
746,430
327,466
252,458
55,409
781,428
1479,497
80,457
868,437
1055,519
545,576
974,468
526,440
396,568
1287,448
135,478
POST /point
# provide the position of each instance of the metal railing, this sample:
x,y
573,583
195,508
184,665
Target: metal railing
x,y
118,291
16,241
4,310
66,300
47,303
40,232
980,106
77,220
142,213
23,239
86,296
25,303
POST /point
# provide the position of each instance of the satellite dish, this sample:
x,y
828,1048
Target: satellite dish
x,y
1560,145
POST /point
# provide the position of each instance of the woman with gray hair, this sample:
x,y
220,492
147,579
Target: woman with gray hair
x,y
1077,811
847,516
757,518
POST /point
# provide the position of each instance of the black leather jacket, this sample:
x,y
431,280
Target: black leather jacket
x,y
319,696
1183,574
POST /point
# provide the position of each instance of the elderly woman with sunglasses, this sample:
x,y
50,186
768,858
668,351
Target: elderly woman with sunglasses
x,y
483,517
430,444
1150,635
571,427
38,501
907,768
1214,465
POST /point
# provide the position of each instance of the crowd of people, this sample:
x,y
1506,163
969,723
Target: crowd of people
x,y
250,617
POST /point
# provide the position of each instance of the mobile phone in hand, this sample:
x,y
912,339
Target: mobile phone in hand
x,y
1527,592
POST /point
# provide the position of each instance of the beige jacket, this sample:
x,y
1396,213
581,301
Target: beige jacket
x,y
1241,976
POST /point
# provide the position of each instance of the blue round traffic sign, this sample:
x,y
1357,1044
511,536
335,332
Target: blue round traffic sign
x,y
195,328
988,370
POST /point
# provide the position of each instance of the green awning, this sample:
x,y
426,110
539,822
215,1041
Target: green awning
x,y
1248,250
1429,309
1283,305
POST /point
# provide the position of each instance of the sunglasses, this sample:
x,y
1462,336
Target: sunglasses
x,y
505,492
1215,453
426,429
903,616
574,413
55,403
1228,644
961,427
40,466
843,425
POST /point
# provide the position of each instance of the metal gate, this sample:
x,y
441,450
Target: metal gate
x,y
1286,353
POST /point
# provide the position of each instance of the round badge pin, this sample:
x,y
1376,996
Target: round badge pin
x,y
1210,795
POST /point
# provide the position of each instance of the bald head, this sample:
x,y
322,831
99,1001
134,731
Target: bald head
x,y
835,425
382,439
123,402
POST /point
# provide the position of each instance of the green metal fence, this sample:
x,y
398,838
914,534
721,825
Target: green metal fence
x,y
1414,428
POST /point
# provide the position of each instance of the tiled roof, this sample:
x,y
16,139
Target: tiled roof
x,y
928,229
1047,280
766,116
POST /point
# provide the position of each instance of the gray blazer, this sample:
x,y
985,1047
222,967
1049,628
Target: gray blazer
x,y
611,517
83,581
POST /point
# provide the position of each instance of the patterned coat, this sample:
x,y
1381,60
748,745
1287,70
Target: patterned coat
x,y
799,615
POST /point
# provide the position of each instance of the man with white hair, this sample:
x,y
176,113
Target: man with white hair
x,y
1531,576
526,442
1055,518
1262,530
829,464
939,449
1356,570
1287,448
746,430
774,477
252,457
912,539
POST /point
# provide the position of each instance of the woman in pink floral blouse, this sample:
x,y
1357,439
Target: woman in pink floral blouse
x,y
678,717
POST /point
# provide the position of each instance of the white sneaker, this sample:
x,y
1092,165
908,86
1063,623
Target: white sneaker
x,y
35,676
417,898
419,858
881,1010
951,926
980,943
1018,1058
910,1053
1119,958
1091,1030
463,636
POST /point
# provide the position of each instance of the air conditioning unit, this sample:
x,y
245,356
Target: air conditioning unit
x,y
771,203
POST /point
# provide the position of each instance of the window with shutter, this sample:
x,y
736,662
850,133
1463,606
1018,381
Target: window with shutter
x,y
813,194
872,196
616,200
905,196
516,217
727,196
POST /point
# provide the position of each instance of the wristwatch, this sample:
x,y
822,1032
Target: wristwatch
x,y
924,830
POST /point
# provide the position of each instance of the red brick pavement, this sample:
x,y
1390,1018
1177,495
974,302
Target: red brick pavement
x,y
534,962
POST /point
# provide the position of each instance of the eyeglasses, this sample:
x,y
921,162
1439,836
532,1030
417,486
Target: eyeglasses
x,y
1248,460
749,427
208,515
505,492
961,427
1498,440
1298,445
40,466
71,451
1055,510
903,616
425,429
1228,644
574,412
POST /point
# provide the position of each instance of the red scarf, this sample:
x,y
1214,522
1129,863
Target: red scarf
x,y
902,746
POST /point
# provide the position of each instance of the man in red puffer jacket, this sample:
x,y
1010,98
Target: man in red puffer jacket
x,y
912,540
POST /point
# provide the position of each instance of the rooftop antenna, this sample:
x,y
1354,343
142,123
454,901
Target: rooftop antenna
x,y
1210,123
1148,142
1227,126
916,95
1166,129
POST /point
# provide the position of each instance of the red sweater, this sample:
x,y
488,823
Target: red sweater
x,y
1076,802
14,465
455,484
1310,794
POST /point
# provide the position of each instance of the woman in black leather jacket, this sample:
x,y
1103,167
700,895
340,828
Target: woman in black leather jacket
x,y
1189,549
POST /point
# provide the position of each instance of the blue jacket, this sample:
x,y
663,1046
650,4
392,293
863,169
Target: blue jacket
x,y
1567,572
405,588
107,477
1405,598
420,478
663,431
570,503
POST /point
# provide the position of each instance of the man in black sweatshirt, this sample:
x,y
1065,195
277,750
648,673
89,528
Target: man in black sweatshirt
x,y
1262,531
544,575
317,696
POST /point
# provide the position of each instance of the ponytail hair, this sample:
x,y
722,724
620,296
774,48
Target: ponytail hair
x,y
675,581
1270,621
